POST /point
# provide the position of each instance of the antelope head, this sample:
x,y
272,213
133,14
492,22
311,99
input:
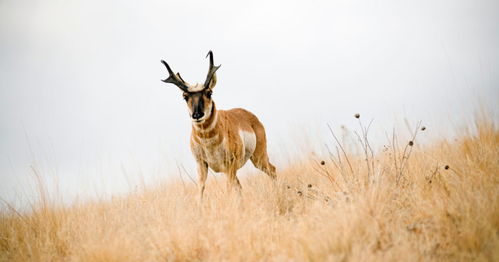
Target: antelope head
x,y
198,96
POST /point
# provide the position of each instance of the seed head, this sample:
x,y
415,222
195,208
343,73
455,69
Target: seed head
x,y
411,143
323,163
357,115
309,185
446,167
423,128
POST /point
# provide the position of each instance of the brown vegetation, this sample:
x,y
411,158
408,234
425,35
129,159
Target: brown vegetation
x,y
436,202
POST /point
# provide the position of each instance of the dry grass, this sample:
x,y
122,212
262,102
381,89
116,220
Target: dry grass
x,y
437,202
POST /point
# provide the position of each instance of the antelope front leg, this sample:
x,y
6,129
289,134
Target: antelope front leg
x,y
233,182
203,174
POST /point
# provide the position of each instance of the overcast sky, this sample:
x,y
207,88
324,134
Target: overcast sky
x,y
82,102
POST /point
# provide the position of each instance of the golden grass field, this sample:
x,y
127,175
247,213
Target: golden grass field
x,y
437,201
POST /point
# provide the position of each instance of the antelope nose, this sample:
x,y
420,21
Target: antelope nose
x,y
197,115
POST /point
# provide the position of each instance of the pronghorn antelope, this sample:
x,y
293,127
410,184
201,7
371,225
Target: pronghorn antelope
x,y
222,140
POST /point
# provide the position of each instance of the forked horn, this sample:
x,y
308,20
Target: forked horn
x,y
178,74
211,71
174,78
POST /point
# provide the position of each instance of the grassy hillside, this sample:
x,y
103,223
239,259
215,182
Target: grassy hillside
x,y
407,202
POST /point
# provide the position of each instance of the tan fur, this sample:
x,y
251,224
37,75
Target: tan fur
x,y
216,143
221,140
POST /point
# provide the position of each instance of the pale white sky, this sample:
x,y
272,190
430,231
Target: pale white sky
x,y
81,97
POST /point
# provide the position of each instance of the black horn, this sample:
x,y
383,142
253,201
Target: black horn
x,y
174,78
211,70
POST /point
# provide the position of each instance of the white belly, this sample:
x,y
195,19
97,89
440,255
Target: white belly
x,y
249,144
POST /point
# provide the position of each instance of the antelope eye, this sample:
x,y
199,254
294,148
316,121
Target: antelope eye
x,y
186,97
208,94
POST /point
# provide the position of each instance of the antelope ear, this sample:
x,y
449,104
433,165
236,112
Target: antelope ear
x,y
213,82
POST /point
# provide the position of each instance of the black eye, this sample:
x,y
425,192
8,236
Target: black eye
x,y
186,97
208,94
